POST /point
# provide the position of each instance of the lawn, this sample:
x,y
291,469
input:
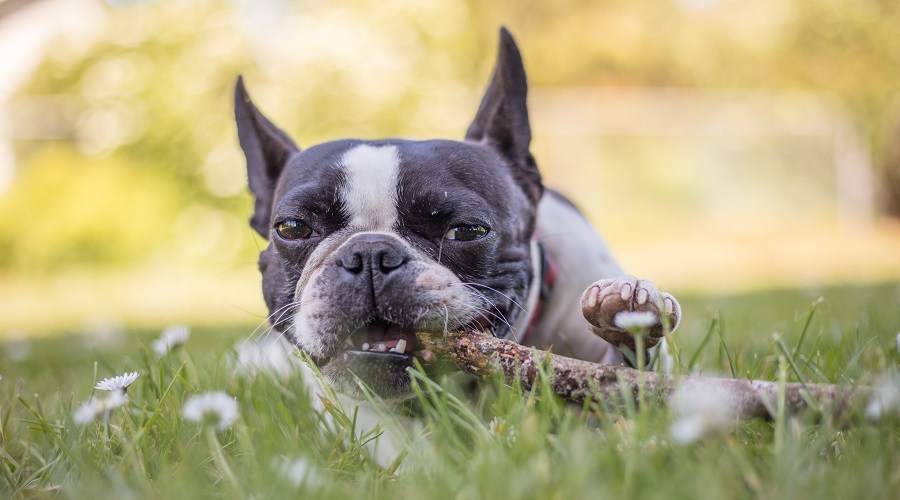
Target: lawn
x,y
500,443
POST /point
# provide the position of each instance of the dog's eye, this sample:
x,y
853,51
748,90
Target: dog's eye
x,y
466,233
293,229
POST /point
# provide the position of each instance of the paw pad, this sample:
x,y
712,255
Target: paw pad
x,y
614,308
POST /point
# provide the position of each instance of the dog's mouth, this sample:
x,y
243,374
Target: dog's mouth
x,y
379,353
380,337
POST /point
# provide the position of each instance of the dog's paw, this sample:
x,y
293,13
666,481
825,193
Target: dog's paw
x,y
603,302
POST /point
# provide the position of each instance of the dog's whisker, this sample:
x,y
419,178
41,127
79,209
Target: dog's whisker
x,y
501,315
256,330
272,344
506,296
481,310
483,305
269,319
256,334
479,295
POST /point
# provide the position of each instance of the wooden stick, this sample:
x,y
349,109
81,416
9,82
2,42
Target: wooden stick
x,y
577,381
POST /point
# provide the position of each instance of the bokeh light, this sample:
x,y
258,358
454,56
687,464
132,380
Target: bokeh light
x,y
718,145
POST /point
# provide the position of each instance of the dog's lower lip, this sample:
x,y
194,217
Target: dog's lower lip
x,y
386,356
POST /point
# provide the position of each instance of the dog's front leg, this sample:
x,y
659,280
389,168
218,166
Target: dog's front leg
x,y
604,300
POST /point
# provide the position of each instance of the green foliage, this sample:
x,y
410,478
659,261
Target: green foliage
x,y
154,86
72,209
499,443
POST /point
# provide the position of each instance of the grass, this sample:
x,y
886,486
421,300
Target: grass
x,y
500,443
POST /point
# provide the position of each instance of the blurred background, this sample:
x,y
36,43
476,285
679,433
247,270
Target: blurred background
x,y
721,146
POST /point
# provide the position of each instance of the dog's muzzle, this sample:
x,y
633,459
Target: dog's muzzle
x,y
380,351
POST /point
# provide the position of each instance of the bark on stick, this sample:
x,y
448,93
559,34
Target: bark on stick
x,y
576,380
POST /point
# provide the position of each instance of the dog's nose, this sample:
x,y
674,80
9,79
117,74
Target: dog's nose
x,y
376,253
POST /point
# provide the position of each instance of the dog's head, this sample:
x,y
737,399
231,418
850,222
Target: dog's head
x,y
372,241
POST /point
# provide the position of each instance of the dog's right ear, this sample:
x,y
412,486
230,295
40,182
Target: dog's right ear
x,y
267,149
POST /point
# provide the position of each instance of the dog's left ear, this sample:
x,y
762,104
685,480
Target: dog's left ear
x,y
267,149
502,118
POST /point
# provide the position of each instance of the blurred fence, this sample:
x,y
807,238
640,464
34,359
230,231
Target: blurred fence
x,y
743,157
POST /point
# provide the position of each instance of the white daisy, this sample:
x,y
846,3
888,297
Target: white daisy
x,y
94,408
885,396
117,383
171,338
217,409
635,320
700,410
298,471
501,428
270,355
18,350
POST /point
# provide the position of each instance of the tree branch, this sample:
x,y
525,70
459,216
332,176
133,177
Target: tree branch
x,y
577,381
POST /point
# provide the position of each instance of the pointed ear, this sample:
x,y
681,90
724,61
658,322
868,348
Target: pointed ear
x,y
502,118
267,150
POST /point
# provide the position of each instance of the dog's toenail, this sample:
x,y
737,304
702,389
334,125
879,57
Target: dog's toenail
x,y
592,296
626,292
642,296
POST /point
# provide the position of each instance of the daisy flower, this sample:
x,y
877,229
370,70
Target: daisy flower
x,y
19,350
885,396
270,355
217,409
94,408
171,338
700,410
635,320
501,428
298,471
117,383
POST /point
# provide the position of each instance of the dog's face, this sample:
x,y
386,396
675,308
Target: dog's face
x,y
372,241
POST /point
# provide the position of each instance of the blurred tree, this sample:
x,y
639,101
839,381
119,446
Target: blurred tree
x,y
152,94
71,209
891,165
151,104
848,47
852,48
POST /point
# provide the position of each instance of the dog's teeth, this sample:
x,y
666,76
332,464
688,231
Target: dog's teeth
x,y
401,346
379,347
365,346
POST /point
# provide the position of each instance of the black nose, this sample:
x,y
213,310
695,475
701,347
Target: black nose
x,y
375,253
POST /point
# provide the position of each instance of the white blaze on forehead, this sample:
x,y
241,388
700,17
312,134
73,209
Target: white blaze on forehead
x,y
370,193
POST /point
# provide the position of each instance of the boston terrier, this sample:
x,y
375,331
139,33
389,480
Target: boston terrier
x,y
371,241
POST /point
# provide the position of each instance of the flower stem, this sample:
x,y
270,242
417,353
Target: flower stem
x,y
221,461
640,355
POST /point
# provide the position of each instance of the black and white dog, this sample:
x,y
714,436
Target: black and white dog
x,y
370,241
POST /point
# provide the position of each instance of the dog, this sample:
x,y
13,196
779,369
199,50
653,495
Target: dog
x,y
371,241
